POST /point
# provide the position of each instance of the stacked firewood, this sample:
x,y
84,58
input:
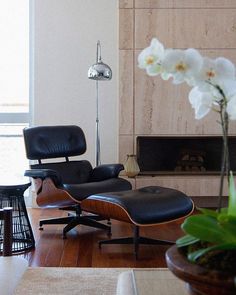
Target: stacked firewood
x,y
191,160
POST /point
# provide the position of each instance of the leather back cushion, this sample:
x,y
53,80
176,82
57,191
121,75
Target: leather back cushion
x,y
45,142
73,172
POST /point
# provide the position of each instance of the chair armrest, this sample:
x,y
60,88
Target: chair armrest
x,y
106,171
44,173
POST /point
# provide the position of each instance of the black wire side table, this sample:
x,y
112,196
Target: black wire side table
x,y
23,238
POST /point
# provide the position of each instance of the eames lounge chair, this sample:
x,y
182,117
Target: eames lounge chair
x,y
66,183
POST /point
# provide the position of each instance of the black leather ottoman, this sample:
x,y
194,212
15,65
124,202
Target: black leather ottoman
x,y
142,207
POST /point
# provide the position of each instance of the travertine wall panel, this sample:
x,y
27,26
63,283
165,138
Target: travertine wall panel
x,y
126,26
185,3
214,53
126,147
126,3
183,28
190,185
126,91
165,109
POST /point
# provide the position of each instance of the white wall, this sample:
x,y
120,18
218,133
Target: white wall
x,y
65,33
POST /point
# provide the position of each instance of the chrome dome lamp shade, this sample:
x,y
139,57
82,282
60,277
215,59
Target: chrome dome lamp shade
x,y
99,72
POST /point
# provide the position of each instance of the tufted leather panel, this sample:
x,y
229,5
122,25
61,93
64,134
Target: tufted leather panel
x,y
150,205
54,141
69,172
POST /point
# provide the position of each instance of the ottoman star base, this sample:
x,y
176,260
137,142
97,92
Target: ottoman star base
x,y
136,240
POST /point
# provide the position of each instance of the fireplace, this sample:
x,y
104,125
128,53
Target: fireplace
x,y
182,155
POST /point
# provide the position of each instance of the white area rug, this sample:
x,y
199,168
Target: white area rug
x,y
62,281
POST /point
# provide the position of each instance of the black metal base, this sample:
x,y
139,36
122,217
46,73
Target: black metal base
x,y
136,240
74,219
22,234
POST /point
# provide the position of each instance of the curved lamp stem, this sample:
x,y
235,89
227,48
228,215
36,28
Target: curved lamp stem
x,y
99,52
99,72
98,149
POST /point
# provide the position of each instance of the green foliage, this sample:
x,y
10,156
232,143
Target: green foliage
x,y
232,197
216,229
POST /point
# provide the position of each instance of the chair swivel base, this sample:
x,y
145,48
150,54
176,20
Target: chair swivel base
x,y
136,240
73,221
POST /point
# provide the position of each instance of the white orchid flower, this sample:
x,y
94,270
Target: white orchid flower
x,y
224,90
201,102
229,88
215,72
183,65
225,68
231,108
214,80
151,57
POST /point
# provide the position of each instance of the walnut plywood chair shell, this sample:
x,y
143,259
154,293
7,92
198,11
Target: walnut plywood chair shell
x,y
65,183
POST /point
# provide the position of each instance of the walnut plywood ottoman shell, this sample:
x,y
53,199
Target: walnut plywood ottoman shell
x,y
147,206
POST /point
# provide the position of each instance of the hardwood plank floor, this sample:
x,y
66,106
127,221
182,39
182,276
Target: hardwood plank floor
x,y
81,246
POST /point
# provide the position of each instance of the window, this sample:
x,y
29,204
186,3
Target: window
x,y
14,86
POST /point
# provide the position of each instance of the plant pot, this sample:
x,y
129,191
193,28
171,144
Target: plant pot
x,y
199,279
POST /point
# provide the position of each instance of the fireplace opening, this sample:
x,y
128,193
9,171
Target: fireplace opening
x,y
183,155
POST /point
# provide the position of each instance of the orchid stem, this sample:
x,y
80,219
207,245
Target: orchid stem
x,y
225,152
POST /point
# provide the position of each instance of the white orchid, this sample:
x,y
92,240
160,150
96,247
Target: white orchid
x,y
151,57
201,102
231,108
215,72
214,80
223,91
183,65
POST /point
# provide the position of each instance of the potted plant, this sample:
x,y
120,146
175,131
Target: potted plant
x,y
211,235
206,256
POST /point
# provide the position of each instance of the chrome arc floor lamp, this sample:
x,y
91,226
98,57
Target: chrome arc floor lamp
x,y
99,72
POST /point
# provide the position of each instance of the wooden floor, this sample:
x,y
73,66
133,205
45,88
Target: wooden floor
x,y
81,246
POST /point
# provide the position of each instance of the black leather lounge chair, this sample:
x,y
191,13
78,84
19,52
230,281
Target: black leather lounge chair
x,y
66,183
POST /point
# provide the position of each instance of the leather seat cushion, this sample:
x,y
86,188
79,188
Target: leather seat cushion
x,y
82,191
150,205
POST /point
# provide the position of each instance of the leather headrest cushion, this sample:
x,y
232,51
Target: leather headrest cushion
x,y
44,142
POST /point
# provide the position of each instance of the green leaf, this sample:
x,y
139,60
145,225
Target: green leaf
x,y
223,218
232,196
186,240
232,219
224,211
207,229
196,254
230,227
209,212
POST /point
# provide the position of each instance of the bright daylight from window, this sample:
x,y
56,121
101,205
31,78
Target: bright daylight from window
x,y
14,87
